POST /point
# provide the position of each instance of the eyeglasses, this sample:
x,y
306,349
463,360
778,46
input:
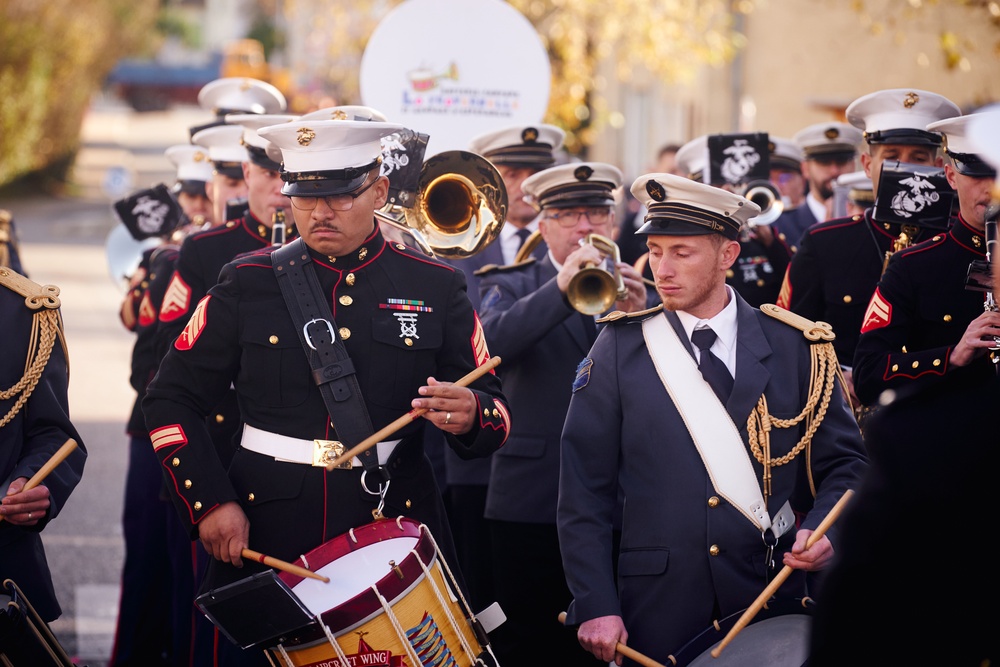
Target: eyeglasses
x,y
570,217
344,202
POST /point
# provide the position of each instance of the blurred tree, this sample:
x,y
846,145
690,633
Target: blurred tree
x,y
661,40
53,56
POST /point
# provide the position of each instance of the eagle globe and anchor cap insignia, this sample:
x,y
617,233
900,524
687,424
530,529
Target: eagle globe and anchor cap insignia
x,y
583,173
911,100
656,190
306,136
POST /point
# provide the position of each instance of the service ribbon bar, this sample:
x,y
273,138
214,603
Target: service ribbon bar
x,y
406,304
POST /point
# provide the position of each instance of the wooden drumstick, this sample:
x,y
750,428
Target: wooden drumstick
x,y
630,653
49,466
389,429
250,554
773,587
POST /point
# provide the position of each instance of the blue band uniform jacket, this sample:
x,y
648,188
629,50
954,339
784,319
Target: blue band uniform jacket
x,y
919,313
682,546
29,439
241,332
542,340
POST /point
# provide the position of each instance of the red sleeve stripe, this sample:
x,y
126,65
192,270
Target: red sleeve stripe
x,y
167,436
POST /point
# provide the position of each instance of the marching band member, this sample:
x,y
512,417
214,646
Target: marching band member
x,y
722,425
409,331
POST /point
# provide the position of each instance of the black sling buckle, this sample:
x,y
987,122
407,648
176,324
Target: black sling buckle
x,y
332,369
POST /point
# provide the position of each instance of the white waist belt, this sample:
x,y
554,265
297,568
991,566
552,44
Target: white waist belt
x,y
309,452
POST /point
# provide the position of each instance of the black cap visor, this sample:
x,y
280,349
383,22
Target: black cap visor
x,y
325,183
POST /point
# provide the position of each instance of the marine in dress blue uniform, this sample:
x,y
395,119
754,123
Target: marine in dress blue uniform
x,y
915,327
834,273
402,317
34,424
689,556
532,325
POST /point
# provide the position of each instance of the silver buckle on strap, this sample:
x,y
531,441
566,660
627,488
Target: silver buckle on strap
x,y
305,331
326,452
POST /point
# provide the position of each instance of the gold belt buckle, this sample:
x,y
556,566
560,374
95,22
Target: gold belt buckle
x,y
326,452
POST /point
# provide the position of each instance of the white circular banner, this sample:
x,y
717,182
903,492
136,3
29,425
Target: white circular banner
x,y
454,69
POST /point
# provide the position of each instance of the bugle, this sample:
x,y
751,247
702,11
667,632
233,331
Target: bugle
x,y
459,209
597,286
768,198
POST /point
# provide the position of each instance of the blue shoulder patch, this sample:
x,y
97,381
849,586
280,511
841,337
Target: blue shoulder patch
x,y
490,299
582,374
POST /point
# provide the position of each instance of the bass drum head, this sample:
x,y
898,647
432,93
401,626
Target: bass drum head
x,y
777,637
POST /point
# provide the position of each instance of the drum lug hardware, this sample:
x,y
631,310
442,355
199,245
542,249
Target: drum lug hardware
x,y
395,568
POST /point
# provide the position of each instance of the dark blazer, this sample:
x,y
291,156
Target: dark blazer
x,y
541,340
683,548
27,441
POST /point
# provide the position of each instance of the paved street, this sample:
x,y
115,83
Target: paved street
x,y
63,243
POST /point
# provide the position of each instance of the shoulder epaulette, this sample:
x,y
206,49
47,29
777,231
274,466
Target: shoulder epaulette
x,y
617,315
35,296
813,331
490,268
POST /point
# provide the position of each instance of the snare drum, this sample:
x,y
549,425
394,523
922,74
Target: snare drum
x,y
391,601
778,636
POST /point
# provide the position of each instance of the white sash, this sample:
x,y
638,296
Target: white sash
x,y
712,429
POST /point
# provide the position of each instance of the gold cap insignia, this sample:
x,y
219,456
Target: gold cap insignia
x,y
911,100
831,133
583,173
656,190
305,136
339,114
200,157
530,135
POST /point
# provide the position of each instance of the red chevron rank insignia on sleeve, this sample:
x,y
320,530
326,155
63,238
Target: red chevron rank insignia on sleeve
x,y
479,348
147,314
176,300
879,313
194,326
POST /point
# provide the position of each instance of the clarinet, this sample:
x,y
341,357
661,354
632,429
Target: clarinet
x,y
278,227
989,303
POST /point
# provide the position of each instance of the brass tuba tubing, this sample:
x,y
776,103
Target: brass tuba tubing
x,y
449,202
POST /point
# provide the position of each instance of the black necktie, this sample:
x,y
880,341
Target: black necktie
x,y
712,369
523,235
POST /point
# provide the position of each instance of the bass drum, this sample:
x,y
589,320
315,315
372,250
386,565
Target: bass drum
x,y
778,636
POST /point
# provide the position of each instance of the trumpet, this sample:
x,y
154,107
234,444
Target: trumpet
x,y
460,207
596,287
767,197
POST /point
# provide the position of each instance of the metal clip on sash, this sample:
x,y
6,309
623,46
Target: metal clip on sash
x,y
332,369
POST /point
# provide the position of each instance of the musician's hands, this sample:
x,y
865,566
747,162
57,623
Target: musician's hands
x,y
601,636
585,255
452,409
764,234
225,532
636,299
849,381
978,338
25,508
814,558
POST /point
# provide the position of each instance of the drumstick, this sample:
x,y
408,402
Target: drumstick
x,y
49,466
630,653
388,430
780,579
250,554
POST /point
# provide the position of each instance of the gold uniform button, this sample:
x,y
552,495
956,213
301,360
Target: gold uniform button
x,y
144,284
400,246
230,224
936,238
496,413
486,412
350,279
408,504
409,342
197,506
760,282
895,367
714,550
345,300
176,462
947,318
344,332
916,363
937,362
250,497
713,501
729,273
273,340
219,418
188,484
847,298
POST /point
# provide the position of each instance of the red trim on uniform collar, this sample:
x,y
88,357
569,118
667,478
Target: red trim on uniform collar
x,y
962,232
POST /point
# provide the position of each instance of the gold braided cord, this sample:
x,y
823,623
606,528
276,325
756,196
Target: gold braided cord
x,y
45,328
824,371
